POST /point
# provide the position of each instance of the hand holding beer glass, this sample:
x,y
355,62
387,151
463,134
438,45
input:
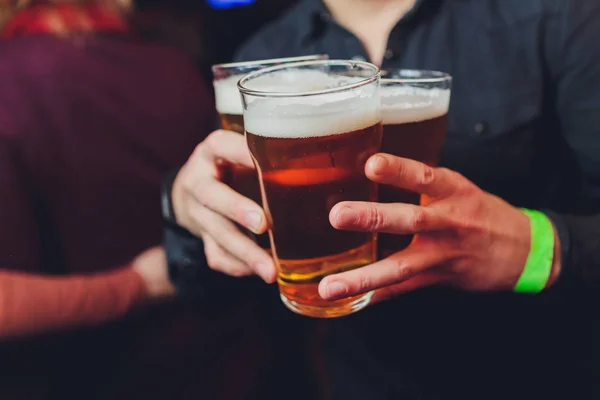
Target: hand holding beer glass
x,y
414,112
310,127
229,106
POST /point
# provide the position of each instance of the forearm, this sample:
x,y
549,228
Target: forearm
x,y
32,304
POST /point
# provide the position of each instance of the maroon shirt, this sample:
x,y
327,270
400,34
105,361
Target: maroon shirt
x,y
88,127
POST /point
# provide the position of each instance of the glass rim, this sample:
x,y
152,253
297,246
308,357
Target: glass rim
x,y
430,76
263,93
268,62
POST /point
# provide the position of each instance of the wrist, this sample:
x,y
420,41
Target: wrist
x,y
556,260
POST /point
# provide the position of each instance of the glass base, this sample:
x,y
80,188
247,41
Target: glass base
x,y
338,308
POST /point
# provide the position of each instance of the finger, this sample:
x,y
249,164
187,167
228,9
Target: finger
x,y
233,241
393,270
219,260
225,201
418,282
228,146
396,218
414,176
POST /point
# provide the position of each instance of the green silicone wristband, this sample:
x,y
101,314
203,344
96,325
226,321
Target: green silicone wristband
x,y
537,270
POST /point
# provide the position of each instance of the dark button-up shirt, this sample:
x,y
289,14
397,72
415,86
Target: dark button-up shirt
x,y
524,124
524,120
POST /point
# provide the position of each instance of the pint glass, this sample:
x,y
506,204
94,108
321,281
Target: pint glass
x,y
311,127
229,107
414,112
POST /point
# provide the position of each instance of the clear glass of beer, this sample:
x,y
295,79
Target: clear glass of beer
x,y
311,127
414,111
229,107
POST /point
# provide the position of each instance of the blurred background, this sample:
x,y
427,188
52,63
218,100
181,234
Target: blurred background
x,y
207,30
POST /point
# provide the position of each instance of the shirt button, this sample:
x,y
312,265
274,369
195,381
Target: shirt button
x,y
481,128
389,54
187,263
325,17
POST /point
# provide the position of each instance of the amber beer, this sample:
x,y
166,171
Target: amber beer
x,y
310,151
415,114
229,107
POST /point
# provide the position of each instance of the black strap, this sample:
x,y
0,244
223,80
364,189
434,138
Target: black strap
x,y
168,212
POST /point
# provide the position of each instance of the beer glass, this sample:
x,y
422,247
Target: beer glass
x,y
229,107
414,107
311,127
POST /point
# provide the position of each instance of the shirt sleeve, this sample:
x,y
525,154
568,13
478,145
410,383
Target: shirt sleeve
x,y
574,62
33,304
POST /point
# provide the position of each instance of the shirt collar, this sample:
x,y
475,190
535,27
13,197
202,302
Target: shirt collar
x,y
318,17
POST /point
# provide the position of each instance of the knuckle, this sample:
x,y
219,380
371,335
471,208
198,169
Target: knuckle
x,y
401,271
202,193
245,252
211,144
375,219
468,188
462,217
187,187
184,181
214,258
469,218
465,225
213,139
200,150
197,219
193,182
401,170
426,176
447,171
364,283
208,194
417,219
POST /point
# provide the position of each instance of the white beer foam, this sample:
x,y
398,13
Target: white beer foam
x,y
227,95
295,80
293,119
229,101
401,105
314,115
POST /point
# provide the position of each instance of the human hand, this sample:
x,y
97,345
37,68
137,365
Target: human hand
x,y
151,265
464,237
208,208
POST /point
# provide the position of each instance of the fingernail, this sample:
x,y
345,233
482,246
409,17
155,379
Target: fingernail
x,y
253,220
378,163
336,289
